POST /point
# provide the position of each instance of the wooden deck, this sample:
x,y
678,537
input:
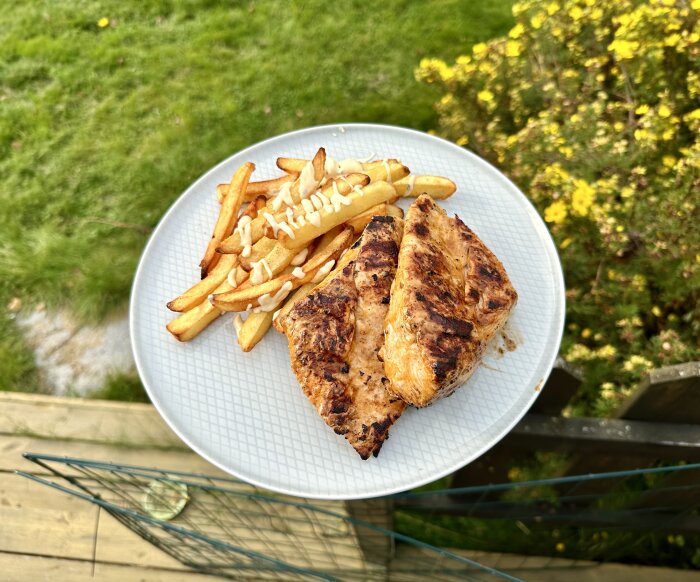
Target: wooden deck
x,y
48,535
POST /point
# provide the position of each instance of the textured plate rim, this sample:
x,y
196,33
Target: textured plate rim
x,y
558,325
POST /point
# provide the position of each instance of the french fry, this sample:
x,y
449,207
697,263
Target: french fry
x,y
343,187
436,187
254,329
228,215
200,291
258,251
193,322
358,223
263,188
275,290
291,165
357,203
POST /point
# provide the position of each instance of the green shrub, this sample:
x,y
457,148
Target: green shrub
x,y
592,107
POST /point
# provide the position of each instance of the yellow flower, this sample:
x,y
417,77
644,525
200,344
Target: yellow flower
x,y
103,22
464,140
486,96
513,48
582,197
560,547
642,109
695,4
538,20
618,126
672,40
517,31
576,13
596,14
479,49
656,311
565,243
669,161
624,49
556,212
664,111
586,333
553,8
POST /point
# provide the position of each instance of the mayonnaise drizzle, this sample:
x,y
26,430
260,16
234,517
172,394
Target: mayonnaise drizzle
x,y
323,271
268,303
231,278
350,165
298,272
314,218
316,201
243,229
284,227
273,223
307,205
411,182
238,324
300,257
388,170
260,272
284,196
337,199
276,314
301,221
331,167
307,183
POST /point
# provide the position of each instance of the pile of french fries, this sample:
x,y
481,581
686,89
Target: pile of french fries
x,y
293,233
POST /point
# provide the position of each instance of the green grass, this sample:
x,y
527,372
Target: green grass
x,y
101,129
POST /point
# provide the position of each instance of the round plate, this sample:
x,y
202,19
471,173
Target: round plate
x,y
247,414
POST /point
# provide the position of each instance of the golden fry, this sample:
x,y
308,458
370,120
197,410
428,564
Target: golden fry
x,y
357,202
228,215
436,187
275,290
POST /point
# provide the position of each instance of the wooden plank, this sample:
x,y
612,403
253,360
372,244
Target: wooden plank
x,y
43,520
51,417
406,568
652,440
670,394
666,395
45,568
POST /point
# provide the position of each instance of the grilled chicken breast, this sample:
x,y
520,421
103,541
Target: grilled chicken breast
x,y
335,335
450,297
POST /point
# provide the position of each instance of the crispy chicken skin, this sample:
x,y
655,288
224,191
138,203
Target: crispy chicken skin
x,y
450,297
334,337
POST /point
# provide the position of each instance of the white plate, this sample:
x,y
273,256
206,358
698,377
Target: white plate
x,y
246,412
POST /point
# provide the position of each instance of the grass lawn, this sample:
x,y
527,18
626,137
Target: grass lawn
x,y
102,128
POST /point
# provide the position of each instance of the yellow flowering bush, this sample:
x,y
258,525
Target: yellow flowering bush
x,y
593,108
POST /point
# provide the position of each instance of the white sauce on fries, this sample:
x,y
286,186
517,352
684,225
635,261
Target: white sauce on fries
x,y
323,198
323,271
411,183
301,221
331,167
316,201
307,183
284,196
307,205
338,200
268,303
231,277
238,324
284,227
276,314
314,218
272,221
349,166
300,257
388,170
260,272
298,272
243,229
